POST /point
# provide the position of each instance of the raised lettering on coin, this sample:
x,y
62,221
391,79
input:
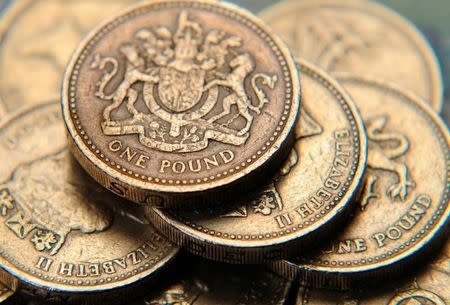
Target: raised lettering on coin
x,y
180,97
314,188
60,230
404,202
429,287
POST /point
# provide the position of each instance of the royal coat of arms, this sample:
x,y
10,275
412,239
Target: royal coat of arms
x,y
195,88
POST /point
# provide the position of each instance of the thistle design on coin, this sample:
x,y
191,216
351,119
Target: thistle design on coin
x,y
179,63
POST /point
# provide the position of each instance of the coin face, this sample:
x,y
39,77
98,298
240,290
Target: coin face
x,y
210,283
179,97
58,228
430,287
312,191
34,50
404,203
361,37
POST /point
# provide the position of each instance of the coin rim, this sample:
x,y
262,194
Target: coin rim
x,y
291,270
383,12
16,272
110,173
181,233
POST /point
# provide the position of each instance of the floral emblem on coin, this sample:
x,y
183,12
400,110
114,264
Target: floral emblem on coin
x,y
181,73
46,204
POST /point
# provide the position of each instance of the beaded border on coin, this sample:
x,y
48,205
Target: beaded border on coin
x,y
18,275
352,273
148,190
233,248
410,30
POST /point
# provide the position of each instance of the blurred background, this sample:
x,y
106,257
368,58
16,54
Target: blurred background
x,y
430,16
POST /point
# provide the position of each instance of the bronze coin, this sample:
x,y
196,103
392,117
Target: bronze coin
x,y
180,98
8,286
404,202
312,192
429,287
58,227
362,37
36,41
206,283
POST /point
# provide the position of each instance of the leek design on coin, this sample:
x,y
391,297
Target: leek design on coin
x,y
161,100
58,228
35,50
312,192
430,287
404,203
360,37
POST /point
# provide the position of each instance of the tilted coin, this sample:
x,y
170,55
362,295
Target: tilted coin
x,y
430,287
58,230
34,50
210,283
8,286
404,204
361,37
312,192
180,98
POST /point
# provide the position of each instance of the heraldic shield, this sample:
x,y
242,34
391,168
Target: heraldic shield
x,y
180,91
193,85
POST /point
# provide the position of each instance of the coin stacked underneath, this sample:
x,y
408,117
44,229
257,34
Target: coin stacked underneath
x,y
194,156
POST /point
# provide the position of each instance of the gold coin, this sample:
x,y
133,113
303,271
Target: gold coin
x,y
431,286
361,37
312,191
404,202
36,41
59,232
8,286
205,283
180,98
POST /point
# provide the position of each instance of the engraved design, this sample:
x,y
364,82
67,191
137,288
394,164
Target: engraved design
x,y
411,296
270,199
305,294
416,295
326,39
50,203
6,202
186,293
307,125
381,156
266,203
182,74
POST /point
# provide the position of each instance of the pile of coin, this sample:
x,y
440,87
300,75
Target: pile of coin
x,y
193,156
